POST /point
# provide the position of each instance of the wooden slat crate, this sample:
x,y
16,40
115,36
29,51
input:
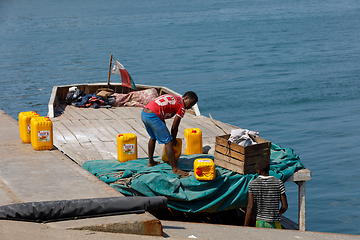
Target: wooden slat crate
x,y
238,158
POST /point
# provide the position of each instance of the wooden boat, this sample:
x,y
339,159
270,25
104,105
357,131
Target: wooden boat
x,y
86,134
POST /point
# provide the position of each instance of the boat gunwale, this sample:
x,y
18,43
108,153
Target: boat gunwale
x,y
55,100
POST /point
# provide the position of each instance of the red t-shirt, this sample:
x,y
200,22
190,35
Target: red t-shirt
x,y
166,106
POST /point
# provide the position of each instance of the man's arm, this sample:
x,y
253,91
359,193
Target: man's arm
x,y
284,203
249,210
175,128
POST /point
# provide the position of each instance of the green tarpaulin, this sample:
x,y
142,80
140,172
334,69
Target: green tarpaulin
x,y
227,191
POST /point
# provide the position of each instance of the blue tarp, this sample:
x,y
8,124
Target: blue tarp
x,y
227,191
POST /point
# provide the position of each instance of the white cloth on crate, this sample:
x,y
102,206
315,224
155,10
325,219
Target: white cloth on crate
x,y
241,137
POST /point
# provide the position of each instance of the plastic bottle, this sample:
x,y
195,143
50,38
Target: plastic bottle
x,y
204,169
127,147
193,141
41,133
177,151
25,126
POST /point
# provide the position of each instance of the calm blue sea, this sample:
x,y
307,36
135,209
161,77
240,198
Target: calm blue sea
x,y
288,69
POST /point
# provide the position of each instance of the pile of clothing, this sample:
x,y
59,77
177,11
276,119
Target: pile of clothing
x,y
107,98
78,98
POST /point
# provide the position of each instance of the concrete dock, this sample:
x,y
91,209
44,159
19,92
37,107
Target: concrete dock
x,y
27,175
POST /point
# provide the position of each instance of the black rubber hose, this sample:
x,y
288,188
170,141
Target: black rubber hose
x,y
80,208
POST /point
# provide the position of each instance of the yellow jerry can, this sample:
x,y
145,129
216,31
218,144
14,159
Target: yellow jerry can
x,y
41,133
25,126
177,151
127,147
204,169
193,141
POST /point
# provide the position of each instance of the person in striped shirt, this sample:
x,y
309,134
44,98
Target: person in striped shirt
x,y
265,195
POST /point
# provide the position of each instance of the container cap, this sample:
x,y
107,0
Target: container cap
x,y
193,131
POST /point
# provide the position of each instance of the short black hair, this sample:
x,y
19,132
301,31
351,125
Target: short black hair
x,y
263,165
191,95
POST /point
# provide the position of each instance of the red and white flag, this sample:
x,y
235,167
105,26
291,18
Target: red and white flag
x,y
126,80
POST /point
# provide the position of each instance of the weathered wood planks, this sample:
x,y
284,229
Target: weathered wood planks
x,y
89,134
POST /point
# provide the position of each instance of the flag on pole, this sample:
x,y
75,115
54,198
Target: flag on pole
x,y
126,79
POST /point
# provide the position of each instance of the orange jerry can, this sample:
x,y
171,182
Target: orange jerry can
x,y
204,169
177,151
25,126
193,141
41,133
127,147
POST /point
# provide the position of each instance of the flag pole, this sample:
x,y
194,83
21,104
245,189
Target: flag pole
x,y
111,56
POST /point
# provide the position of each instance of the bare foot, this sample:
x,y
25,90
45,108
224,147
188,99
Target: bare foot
x,y
181,173
152,163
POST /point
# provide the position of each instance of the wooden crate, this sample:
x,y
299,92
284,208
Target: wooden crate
x,y
238,158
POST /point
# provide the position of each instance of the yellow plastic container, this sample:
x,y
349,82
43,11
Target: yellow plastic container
x,y
204,169
25,126
41,133
127,147
177,150
193,141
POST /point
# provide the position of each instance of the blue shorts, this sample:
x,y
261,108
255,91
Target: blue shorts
x,y
156,128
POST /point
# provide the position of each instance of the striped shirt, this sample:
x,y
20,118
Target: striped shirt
x,y
267,191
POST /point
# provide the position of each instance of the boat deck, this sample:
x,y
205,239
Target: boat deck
x,y
86,134
89,134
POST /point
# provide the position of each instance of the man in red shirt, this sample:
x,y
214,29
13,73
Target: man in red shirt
x,y
154,115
